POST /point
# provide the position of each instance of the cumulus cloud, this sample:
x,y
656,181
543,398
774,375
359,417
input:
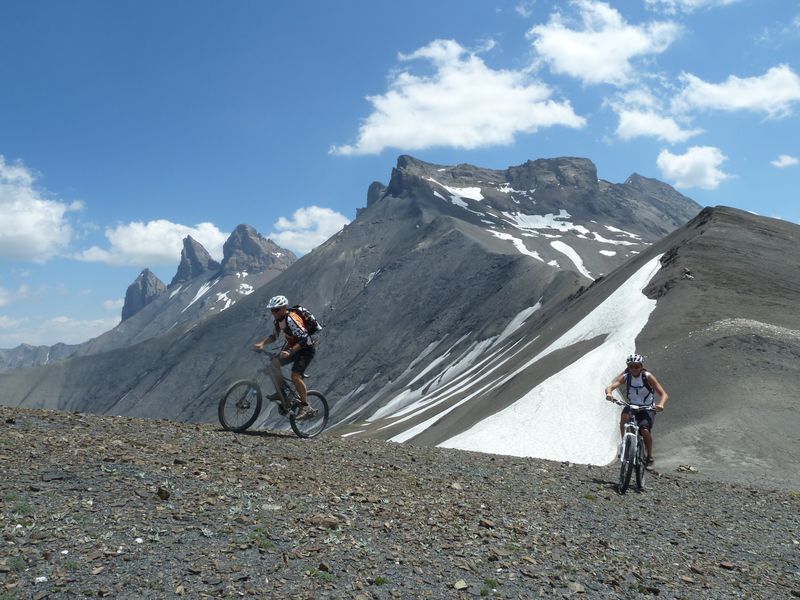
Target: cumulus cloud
x,y
307,229
784,160
463,104
38,332
32,226
686,6
114,305
698,167
638,123
602,49
773,93
153,243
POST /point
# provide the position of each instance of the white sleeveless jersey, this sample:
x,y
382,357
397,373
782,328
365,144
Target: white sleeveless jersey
x,y
638,394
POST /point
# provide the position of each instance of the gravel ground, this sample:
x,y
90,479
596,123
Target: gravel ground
x,y
129,508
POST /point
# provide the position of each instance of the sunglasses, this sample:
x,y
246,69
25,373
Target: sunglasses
x,y
635,366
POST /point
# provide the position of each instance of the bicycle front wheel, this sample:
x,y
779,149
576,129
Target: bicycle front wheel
x,y
641,466
626,466
240,406
313,424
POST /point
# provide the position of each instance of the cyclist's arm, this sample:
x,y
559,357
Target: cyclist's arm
x,y
619,381
663,396
267,340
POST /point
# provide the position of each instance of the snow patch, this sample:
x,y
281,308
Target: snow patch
x,y
558,222
537,423
570,253
202,292
518,244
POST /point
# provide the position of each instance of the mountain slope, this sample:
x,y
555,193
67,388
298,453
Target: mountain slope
x,y
446,302
725,344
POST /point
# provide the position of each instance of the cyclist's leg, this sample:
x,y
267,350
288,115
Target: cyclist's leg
x,y
646,420
301,360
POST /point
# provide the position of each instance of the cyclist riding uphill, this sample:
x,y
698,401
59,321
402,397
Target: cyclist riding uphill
x,y
299,349
640,387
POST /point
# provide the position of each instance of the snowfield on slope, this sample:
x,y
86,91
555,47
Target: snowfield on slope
x,y
566,417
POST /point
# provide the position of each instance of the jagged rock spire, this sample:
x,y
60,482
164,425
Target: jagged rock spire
x,y
195,260
141,292
247,250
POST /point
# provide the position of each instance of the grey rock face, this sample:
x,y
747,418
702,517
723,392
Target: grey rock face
x,y
195,260
141,292
247,250
375,191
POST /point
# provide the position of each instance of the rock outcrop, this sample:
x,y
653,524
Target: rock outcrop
x,y
141,292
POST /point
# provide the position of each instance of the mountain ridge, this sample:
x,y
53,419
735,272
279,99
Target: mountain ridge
x,y
445,306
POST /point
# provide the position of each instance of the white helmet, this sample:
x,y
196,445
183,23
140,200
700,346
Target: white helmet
x,y
277,302
634,358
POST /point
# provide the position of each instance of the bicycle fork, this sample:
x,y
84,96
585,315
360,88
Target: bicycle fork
x,y
628,438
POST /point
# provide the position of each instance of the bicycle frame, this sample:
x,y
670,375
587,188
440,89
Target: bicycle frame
x,y
630,449
286,392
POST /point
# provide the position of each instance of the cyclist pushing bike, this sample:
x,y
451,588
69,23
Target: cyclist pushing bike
x,y
641,387
299,351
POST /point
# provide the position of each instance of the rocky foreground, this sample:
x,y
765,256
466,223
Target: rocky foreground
x,y
129,508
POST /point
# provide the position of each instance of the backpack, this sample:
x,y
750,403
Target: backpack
x,y
309,321
646,383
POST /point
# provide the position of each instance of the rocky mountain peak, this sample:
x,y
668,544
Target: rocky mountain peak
x,y
195,260
141,292
248,250
565,171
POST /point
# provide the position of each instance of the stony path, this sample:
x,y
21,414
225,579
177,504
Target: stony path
x,y
128,508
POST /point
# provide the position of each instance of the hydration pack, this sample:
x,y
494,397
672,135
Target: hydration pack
x,y
309,320
646,383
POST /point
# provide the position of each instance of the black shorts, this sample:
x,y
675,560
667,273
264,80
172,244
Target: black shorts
x,y
644,418
300,360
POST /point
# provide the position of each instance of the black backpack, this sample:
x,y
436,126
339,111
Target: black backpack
x,y
309,320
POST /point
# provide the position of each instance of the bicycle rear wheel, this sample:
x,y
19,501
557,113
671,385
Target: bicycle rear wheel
x,y
641,465
626,466
312,426
240,406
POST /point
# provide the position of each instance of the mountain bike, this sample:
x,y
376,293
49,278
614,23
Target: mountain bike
x,y
632,452
240,406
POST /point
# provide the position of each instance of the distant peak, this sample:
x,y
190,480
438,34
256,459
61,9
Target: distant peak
x,y
141,292
248,250
195,260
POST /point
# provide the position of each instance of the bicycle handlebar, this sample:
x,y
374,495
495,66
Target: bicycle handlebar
x,y
635,406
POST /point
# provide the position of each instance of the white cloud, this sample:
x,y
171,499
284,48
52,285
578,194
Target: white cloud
x,y
601,51
153,243
464,104
772,93
7,296
307,229
116,304
635,123
687,6
698,167
32,227
784,160
525,9
38,332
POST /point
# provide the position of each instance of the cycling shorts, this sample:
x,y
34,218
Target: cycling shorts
x,y
644,418
300,360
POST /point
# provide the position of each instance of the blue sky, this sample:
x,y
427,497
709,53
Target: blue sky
x,y
125,126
